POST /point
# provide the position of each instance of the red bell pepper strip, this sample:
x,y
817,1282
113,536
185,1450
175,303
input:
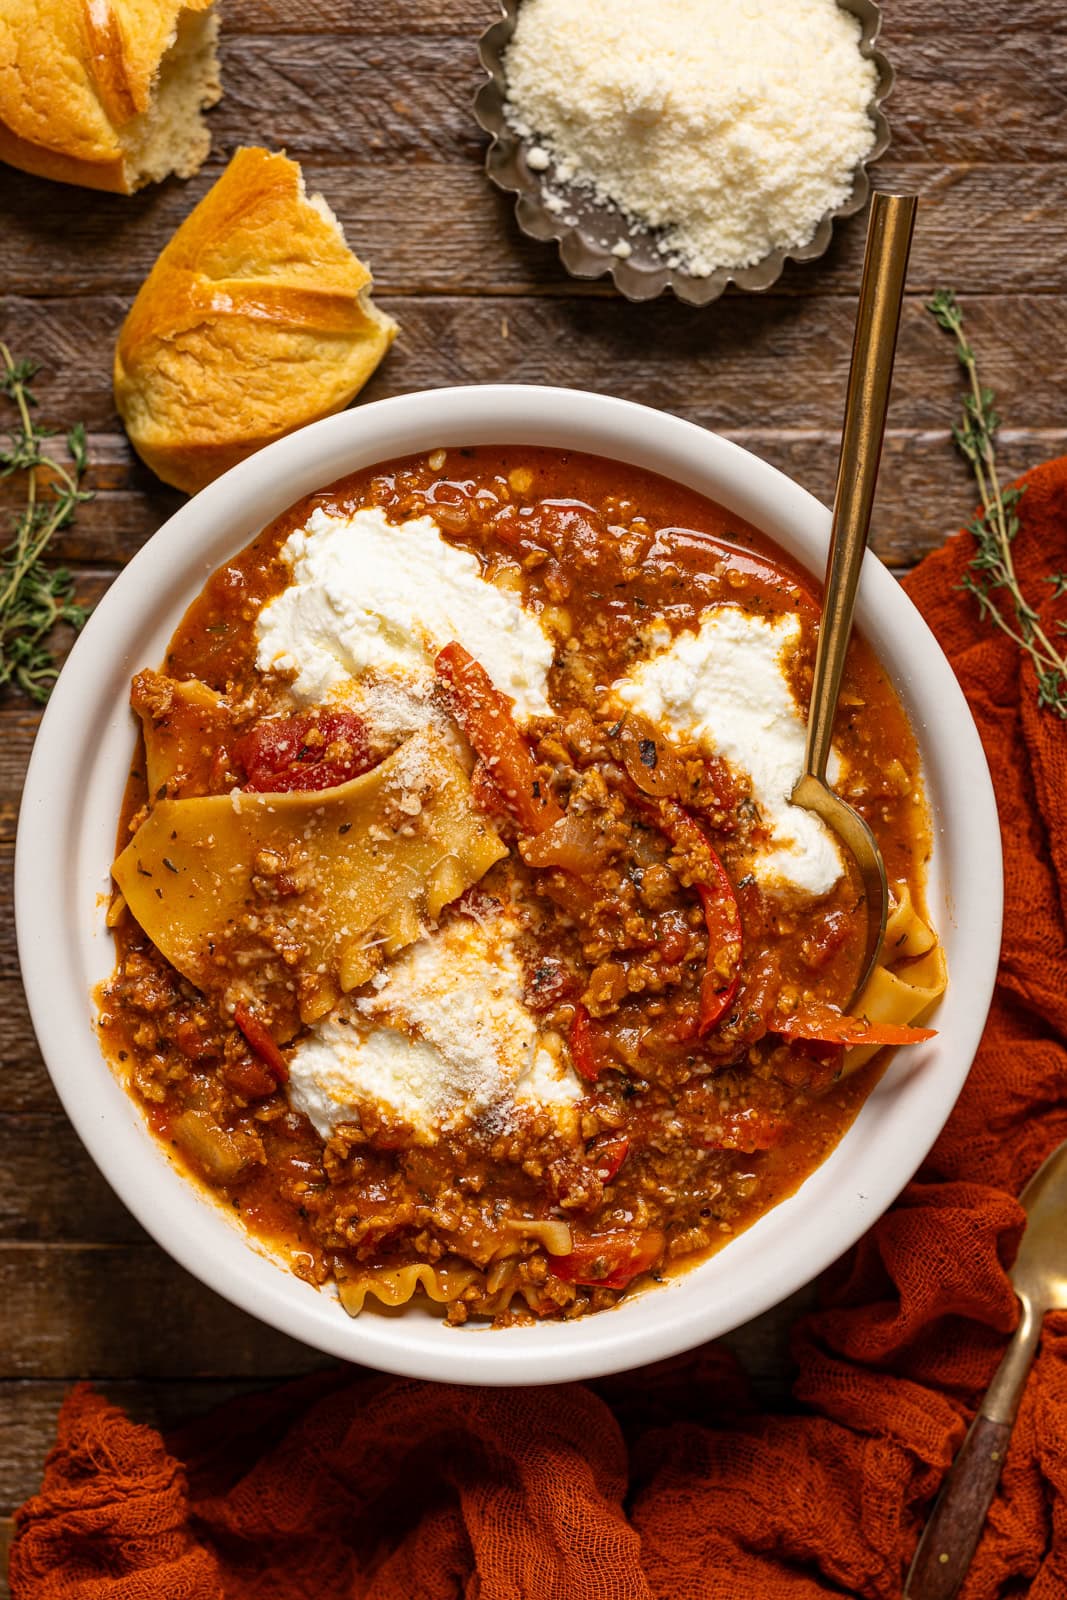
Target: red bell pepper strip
x,y
485,715
610,1260
824,1025
584,1056
722,915
261,1042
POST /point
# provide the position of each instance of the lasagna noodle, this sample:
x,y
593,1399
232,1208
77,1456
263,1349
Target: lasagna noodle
x,y
551,1233
355,867
910,978
395,1286
179,719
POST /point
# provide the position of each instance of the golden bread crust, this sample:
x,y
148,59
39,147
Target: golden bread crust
x,y
255,320
73,74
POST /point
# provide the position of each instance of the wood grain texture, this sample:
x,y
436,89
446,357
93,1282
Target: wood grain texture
x,y
436,228
951,19
375,101
770,376
116,1311
952,1534
770,365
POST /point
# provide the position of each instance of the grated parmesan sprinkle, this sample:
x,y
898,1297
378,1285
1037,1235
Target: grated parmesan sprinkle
x,y
443,1038
732,126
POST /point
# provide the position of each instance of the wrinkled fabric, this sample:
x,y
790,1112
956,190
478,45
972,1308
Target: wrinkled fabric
x,y
668,1484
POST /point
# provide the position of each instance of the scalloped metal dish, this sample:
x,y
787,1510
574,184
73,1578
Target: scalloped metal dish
x,y
645,274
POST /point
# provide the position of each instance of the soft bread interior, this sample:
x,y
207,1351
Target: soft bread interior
x,y
171,136
320,204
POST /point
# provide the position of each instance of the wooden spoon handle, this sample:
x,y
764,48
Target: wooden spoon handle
x,y
951,1535
955,1526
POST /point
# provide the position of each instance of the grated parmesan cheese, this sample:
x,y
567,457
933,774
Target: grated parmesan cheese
x,y
732,126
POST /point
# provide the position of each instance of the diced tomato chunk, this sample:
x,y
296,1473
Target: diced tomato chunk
x,y
746,1129
250,1078
194,1042
309,750
608,1156
610,1260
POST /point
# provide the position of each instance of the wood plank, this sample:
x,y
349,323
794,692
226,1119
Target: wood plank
x,y
772,365
438,228
468,17
409,96
751,377
50,1191
29,1407
407,17
128,1311
405,95
25,1087
120,1311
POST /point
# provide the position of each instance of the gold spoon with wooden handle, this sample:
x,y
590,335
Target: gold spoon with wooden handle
x,y
1039,1278
885,268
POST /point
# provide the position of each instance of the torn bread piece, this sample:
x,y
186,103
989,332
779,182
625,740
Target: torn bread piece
x,y
107,93
255,320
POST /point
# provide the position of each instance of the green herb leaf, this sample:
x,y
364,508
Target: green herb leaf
x,y
992,580
33,597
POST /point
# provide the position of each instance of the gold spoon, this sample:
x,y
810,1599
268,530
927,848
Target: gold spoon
x,y
1039,1278
885,268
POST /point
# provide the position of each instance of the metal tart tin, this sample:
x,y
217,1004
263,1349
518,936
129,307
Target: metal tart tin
x,y
581,231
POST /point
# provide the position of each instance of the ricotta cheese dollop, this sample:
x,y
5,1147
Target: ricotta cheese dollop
x,y
442,1039
376,600
725,687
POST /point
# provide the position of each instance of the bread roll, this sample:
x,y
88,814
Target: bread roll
x,y
106,93
256,319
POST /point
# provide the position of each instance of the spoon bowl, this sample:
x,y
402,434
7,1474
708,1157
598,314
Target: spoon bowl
x,y
815,795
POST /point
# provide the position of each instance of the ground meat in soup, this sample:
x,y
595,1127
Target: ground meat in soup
x,y
688,1114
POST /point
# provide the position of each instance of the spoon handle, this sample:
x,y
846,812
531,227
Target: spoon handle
x,y
955,1525
885,268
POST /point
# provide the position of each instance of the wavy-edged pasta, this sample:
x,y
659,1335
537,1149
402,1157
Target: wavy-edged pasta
x,y
553,1234
395,1286
910,978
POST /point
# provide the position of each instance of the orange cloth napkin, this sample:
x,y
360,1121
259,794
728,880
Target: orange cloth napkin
x,y
667,1483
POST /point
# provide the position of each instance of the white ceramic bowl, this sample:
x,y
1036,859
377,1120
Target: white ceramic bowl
x,y
67,834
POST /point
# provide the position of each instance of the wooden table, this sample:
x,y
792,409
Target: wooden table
x,y
375,102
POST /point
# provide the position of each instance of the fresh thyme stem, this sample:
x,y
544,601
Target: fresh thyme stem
x,y
992,571
34,599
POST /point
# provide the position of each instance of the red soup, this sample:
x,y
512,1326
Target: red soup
x,y
467,943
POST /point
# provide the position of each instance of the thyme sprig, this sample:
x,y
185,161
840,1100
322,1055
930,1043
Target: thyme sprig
x,y
33,597
992,578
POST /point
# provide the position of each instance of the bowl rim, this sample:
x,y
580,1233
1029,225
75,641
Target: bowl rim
x,y
584,257
62,834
